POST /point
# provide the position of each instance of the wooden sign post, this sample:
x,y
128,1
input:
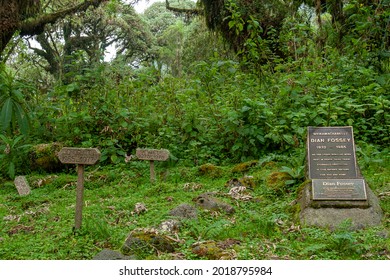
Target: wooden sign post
x,y
81,157
152,155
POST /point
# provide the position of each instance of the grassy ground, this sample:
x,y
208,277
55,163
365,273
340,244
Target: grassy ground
x,y
40,225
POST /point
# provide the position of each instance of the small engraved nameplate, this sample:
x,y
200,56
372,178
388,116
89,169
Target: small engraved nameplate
x,y
339,189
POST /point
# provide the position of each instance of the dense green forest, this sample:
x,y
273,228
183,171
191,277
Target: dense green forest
x,y
217,83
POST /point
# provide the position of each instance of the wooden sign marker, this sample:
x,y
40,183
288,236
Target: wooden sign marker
x,y
81,157
152,155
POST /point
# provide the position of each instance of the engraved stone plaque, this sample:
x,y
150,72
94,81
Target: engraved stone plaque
x,y
339,189
22,185
152,154
87,156
336,191
331,153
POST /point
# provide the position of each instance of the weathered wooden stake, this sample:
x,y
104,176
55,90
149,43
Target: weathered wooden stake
x,y
152,174
79,196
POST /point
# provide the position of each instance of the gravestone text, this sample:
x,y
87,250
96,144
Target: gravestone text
x,y
332,164
331,153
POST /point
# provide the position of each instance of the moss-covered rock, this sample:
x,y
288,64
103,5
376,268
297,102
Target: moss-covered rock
x,y
213,250
45,157
244,166
277,181
107,254
207,249
210,170
145,242
184,211
246,181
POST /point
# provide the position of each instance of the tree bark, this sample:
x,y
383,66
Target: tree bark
x,y
9,21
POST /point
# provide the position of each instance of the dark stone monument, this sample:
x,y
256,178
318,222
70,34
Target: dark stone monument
x,y
336,191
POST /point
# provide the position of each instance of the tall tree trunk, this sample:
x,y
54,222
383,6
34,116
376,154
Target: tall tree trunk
x,y
9,21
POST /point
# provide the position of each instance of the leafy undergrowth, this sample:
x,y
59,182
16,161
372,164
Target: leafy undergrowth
x,y
263,226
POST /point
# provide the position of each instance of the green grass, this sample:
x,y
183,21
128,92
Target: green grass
x,y
40,225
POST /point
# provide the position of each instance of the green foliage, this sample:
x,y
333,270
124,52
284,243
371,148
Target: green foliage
x,y
221,114
13,154
367,33
210,108
13,107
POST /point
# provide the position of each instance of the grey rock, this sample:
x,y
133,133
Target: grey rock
x,y
107,254
143,242
22,185
332,217
170,225
184,211
207,201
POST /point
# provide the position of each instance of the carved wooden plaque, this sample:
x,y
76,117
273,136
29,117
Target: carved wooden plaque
x,y
88,156
152,154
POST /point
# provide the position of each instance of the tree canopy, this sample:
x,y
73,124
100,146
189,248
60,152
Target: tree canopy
x,y
29,17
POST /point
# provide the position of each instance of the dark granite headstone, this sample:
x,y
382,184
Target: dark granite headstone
x,y
331,153
332,164
337,191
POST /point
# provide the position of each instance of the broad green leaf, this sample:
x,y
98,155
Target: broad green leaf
x,y
22,119
6,114
11,170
